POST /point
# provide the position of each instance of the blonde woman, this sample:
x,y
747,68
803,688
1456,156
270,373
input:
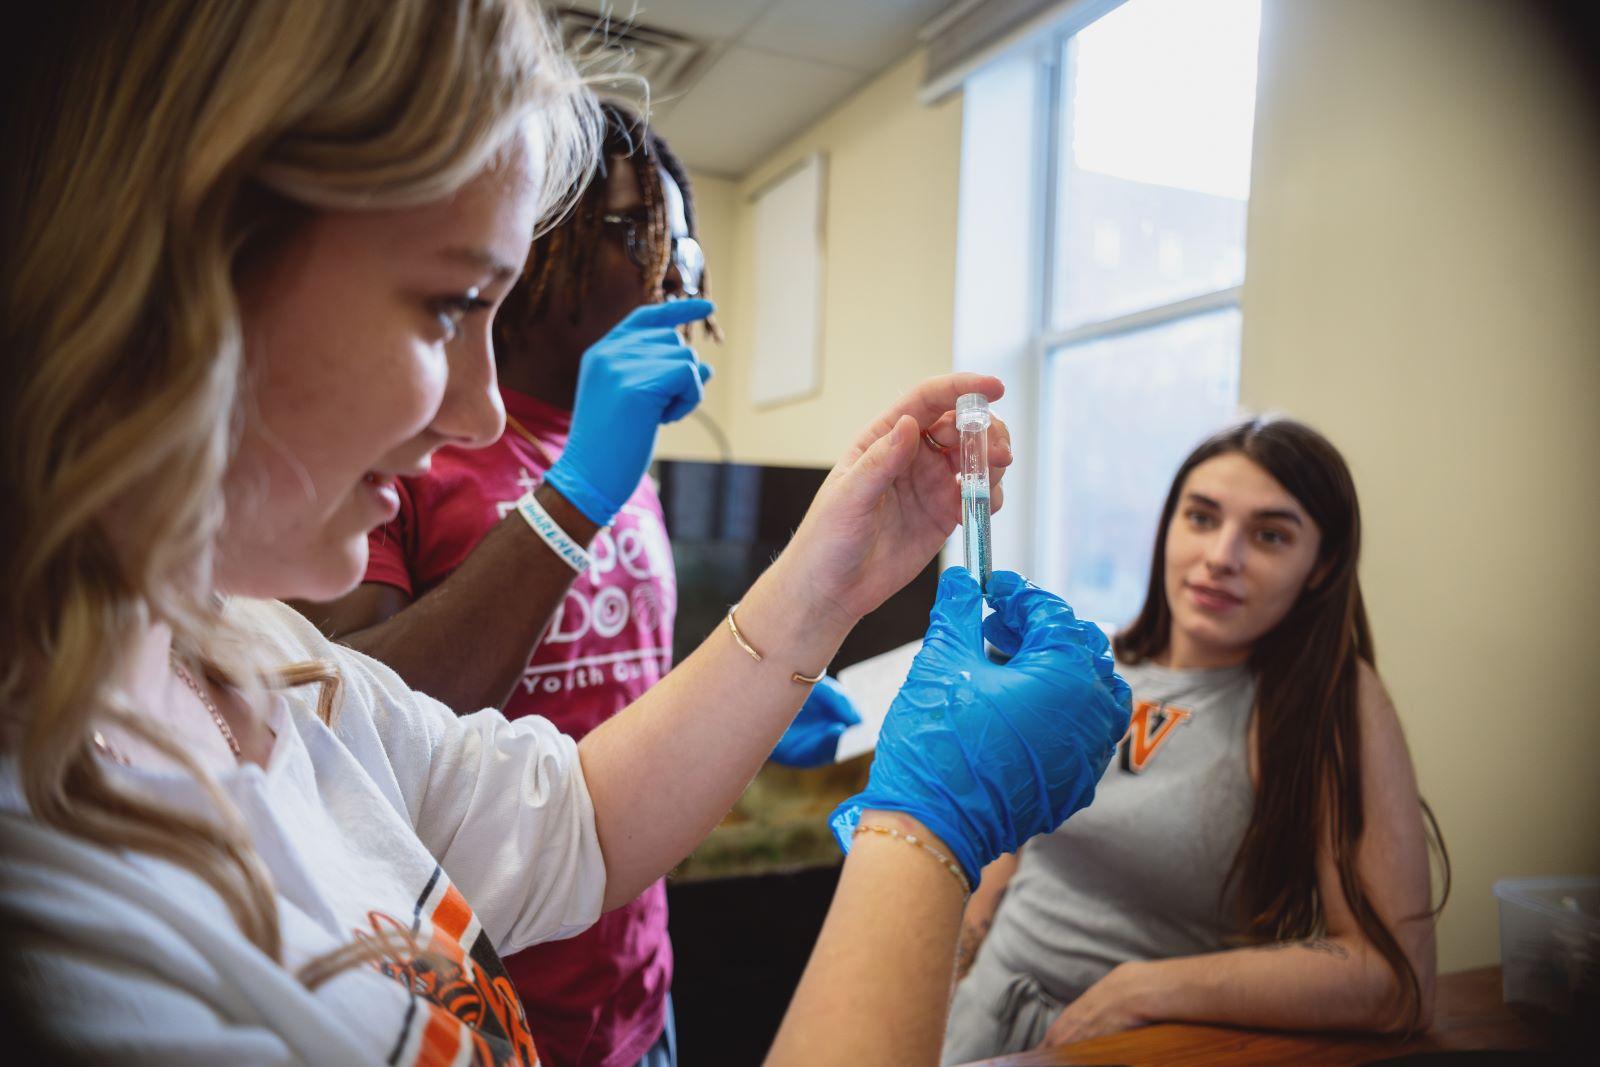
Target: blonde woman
x,y
256,252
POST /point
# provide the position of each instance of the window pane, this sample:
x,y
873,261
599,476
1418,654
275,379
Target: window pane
x,y
1123,414
1157,112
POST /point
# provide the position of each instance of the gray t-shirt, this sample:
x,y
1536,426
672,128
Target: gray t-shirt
x,y
1138,874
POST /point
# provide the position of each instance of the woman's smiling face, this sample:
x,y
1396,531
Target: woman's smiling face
x,y
1239,550
367,342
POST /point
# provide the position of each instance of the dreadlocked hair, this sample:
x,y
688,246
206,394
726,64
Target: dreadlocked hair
x,y
564,256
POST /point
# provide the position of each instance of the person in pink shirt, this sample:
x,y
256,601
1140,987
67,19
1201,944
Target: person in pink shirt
x,y
470,605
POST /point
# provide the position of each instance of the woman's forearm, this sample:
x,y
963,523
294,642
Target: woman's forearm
x,y
877,988
1327,983
666,770
978,918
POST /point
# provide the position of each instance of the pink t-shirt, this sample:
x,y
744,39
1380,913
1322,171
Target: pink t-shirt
x,y
599,998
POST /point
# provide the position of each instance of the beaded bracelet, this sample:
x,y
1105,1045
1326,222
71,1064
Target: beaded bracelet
x,y
912,839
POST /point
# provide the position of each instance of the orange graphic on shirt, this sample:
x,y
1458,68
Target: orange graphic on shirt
x,y
468,997
1148,729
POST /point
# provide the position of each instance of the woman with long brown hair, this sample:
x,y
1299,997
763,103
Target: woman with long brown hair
x,y
1257,853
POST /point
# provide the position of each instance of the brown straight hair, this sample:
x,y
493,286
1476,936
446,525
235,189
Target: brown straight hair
x,y
1306,672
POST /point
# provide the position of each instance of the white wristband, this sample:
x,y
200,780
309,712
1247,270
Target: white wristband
x,y
571,553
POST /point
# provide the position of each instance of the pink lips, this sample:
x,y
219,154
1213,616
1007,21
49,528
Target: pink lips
x,y
1212,600
385,492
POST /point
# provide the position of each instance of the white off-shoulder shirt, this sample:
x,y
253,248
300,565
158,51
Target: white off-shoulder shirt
x,y
474,833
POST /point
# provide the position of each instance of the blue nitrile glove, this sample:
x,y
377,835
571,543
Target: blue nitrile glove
x,y
987,755
812,740
632,380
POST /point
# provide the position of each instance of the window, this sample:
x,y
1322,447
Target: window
x,y
1125,409
1149,113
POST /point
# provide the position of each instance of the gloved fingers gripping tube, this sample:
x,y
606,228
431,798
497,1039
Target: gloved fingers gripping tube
x,y
988,755
958,611
1049,621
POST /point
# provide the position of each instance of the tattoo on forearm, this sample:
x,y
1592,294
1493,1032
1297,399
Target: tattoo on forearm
x,y
971,938
1314,944
972,935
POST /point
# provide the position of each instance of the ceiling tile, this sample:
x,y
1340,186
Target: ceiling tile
x,y
709,20
748,103
865,36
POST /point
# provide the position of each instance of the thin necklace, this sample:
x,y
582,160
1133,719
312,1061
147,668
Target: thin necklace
x,y
210,705
527,435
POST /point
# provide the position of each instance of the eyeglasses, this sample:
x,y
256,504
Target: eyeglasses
x,y
687,255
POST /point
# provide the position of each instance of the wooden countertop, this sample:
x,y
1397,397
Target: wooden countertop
x,y
1468,1015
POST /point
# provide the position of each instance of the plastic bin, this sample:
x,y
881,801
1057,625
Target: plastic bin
x,y
1550,943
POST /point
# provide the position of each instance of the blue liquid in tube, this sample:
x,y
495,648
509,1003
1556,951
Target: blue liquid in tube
x,y
972,421
975,532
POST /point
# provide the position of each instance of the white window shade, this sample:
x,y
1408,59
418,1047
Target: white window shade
x,y
970,33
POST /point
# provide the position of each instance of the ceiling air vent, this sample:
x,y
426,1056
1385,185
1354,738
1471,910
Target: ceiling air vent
x,y
664,59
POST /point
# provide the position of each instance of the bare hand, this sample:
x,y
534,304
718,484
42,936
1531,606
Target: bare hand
x,y
1109,1006
891,501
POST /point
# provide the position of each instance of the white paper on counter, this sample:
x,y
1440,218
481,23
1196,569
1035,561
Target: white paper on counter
x,y
871,685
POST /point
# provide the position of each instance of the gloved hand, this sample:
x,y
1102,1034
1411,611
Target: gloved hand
x,y
987,755
631,381
812,740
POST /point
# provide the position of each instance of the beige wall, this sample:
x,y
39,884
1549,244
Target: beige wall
x,y
888,273
716,204
1422,279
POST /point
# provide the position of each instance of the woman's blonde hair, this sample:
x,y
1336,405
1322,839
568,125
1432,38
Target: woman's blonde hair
x,y
153,146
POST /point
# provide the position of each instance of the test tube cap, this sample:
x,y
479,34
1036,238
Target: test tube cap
x,y
972,412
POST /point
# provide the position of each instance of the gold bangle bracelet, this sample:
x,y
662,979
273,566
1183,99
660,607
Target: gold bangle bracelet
x,y
803,680
733,627
750,650
912,839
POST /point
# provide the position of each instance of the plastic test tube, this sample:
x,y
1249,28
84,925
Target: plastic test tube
x,y
972,421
